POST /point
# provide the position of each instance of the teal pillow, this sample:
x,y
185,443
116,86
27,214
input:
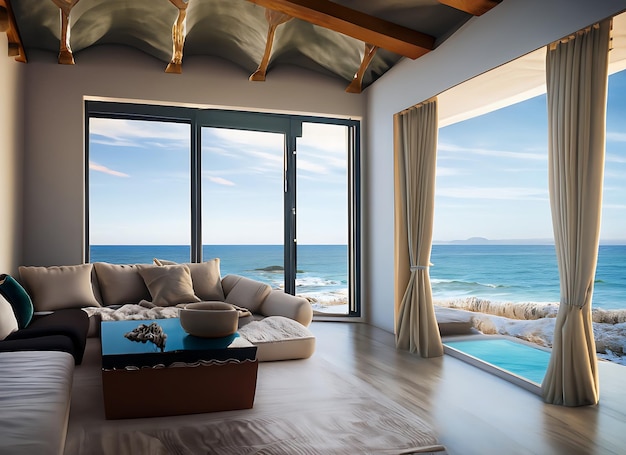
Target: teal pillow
x,y
18,298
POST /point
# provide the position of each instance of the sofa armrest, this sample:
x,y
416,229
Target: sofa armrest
x,y
279,303
245,292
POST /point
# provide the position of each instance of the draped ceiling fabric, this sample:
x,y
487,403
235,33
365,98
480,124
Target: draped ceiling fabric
x,y
576,73
415,160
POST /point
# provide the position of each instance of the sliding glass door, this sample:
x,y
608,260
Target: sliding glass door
x,y
322,208
242,202
139,190
275,197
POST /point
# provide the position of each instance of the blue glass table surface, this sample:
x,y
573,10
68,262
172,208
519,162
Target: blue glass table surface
x,y
118,351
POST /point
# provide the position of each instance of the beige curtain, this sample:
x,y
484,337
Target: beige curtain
x,y
415,160
576,71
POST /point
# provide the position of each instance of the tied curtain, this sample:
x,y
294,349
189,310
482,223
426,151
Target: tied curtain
x,y
576,73
415,161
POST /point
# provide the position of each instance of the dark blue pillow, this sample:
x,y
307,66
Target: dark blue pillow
x,y
18,298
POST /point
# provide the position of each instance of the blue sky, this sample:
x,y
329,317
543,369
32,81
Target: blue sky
x,y
491,180
492,173
140,184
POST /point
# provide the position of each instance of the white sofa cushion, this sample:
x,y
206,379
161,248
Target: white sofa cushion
x,y
120,284
279,338
35,388
57,287
8,321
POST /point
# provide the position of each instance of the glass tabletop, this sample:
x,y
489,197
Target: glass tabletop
x,y
118,351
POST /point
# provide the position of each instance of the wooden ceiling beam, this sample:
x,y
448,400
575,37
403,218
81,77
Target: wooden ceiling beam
x,y
9,25
350,22
474,7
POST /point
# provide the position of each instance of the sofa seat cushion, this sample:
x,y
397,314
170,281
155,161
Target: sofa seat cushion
x,y
71,323
35,390
279,338
60,343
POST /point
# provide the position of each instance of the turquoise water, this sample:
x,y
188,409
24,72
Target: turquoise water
x,y
520,359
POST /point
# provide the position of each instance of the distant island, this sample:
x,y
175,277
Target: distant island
x,y
485,241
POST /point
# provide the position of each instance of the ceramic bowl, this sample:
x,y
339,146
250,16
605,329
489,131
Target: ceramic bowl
x,y
209,319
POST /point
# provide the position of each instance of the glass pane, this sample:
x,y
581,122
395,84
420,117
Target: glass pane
x,y
139,191
242,202
322,211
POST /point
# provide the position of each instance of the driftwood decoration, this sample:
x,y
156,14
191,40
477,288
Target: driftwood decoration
x,y
274,19
152,333
179,33
356,84
65,52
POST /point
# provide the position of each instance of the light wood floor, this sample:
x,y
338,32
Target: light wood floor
x,y
475,412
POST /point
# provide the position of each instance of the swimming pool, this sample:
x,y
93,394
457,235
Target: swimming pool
x,y
516,361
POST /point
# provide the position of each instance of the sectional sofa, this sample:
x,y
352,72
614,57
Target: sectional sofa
x,y
69,302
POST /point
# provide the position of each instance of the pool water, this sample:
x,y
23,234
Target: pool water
x,y
522,360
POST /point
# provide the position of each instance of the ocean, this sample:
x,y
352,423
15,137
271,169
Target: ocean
x,y
497,273
520,273
322,271
511,289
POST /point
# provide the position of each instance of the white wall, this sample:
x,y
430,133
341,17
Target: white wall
x,y
54,144
11,143
512,29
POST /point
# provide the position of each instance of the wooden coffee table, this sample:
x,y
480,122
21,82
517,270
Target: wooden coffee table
x,y
192,375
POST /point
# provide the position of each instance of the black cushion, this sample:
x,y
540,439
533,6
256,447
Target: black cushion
x,y
72,323
44,343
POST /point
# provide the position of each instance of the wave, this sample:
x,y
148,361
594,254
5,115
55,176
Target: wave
x,y
470,284
339,297
315,281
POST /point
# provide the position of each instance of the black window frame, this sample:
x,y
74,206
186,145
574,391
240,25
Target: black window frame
x,y
287,124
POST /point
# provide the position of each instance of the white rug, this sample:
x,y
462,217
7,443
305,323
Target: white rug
x,y
301,407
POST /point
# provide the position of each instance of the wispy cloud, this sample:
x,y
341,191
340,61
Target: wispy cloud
x,y
494,193
453,148
443,171
105,170
221,181
615,136
614,206
136,133
613,158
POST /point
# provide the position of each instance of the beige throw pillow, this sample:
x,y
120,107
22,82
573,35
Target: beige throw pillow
x,y
121,284
206,278
8,321
58,287
169,284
